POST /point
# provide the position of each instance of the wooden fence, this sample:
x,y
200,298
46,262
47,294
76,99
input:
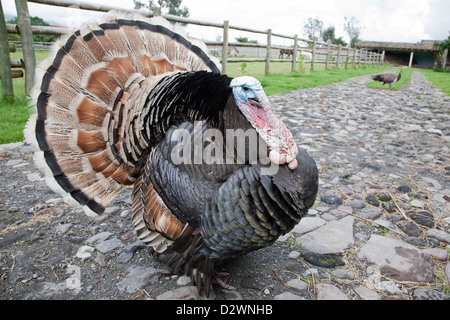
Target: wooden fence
x,y
316,53
38,46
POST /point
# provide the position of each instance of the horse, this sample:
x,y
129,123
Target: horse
x,y
285,51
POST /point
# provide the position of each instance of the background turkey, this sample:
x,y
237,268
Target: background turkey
x,y
114,104
387,78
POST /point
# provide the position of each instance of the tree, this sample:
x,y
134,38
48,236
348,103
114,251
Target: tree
x,y
442,45
313,28
35,21
339,41
328,36
172,6
353,29
245,40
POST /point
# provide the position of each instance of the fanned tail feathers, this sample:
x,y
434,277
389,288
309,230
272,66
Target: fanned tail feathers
x,y
89,96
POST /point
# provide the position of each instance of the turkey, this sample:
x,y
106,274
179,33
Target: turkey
x,y
387,78
130,102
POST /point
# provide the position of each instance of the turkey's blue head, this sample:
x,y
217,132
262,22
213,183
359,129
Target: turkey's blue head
x,y
252,101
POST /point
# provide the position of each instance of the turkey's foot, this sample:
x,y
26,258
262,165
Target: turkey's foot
x,y
216,278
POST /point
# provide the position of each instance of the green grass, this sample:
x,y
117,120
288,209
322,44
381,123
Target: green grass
x,y
14,114
277,83
40,55
439,79
281,79
256,69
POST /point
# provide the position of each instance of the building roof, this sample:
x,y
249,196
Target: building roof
x,y
424,45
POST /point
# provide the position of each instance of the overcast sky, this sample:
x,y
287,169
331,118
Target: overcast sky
x,y
382,20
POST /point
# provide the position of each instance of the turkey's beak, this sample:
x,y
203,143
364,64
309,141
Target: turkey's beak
x,y
260,100
255,103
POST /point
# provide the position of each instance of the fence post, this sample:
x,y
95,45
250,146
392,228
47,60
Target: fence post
x,y
26,36
360,57
313,55
347,58
5,64
157,11
226,25
328,57
338,56
269,49
294,53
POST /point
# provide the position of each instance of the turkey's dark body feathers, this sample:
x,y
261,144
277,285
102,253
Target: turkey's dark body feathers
x,y
235,209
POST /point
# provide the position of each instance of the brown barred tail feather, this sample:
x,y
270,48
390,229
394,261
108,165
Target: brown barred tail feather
x,y
90,93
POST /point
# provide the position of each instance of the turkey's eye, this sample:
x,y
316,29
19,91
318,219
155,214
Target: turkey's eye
x,y
245,89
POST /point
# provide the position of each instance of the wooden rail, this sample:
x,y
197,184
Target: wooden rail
x,y
5,69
